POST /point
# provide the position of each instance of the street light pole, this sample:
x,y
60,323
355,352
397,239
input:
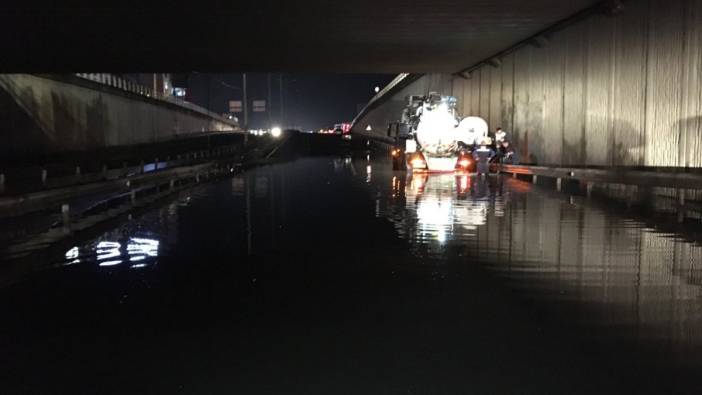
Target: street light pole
x,y
282,114
270,102
246,107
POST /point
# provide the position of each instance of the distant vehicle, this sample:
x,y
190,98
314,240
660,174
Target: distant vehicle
x,y
342,128
432,137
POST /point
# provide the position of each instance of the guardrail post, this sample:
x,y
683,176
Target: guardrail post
x,y
141,167
630,196
155,164
514,174
589,187
681,205
197,178
534,179
66,216
559,184
77,170
2,182
172,184
44,175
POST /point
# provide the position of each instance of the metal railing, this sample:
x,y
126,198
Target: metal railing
x,y
661,178
138,89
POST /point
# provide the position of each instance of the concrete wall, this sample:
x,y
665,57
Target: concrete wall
x,y
44,115
609,90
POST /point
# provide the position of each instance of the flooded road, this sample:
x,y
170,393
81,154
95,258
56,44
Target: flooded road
x,y
338,275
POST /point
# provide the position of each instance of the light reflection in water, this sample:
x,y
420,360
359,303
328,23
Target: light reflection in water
x,y
106,250
436,209
111,253
613,271
72,256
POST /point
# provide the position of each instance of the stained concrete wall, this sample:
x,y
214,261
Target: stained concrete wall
x,y
41,115
608,90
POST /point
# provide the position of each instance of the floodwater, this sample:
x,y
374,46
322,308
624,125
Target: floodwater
x,y
338,275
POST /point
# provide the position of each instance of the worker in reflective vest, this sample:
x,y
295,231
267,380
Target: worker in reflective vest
x,y
482,156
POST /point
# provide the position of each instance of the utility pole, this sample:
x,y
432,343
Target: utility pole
x,y
270,102
209,82
246,107
282,113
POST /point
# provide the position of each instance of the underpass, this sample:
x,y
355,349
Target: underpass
x,y
151,243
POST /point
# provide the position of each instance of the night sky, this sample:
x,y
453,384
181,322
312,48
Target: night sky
x,y
310,101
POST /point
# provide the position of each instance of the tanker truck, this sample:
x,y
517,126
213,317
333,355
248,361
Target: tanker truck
x,y
430,136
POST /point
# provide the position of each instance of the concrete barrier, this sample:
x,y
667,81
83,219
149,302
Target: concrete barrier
x,y
53,114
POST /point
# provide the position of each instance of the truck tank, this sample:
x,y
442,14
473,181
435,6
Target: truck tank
x,y
437,139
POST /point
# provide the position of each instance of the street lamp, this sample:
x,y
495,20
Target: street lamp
x,y
276,132
377,89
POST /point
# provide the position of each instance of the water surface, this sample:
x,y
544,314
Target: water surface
x,y
338,275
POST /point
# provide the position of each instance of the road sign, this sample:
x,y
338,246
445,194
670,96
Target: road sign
x,y
235,105
259,106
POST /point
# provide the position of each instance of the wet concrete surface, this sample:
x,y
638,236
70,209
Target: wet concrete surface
x,y
338,275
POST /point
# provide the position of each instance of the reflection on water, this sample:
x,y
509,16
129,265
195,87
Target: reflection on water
x,y
432,208
253,224
105,253
606,269
280,247
597,266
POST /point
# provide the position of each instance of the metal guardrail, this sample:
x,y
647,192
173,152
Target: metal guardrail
x,y
56,190
649,178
